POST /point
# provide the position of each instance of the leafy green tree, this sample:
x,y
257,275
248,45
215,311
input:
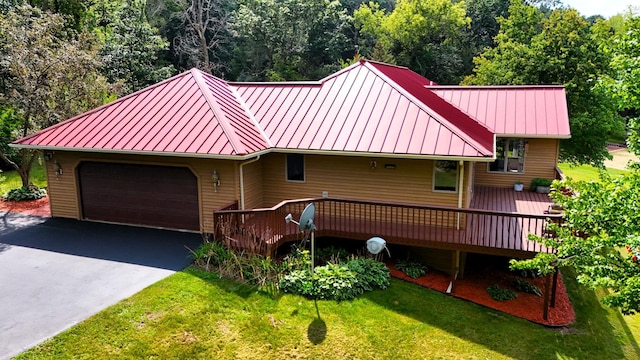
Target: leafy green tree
x,y
558,49
425,35
48,73
289,39
74,10
131,47
624,83
599,237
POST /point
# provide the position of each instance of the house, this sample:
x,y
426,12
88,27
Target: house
x,y
376,145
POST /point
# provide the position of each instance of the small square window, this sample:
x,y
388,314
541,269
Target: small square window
x,y
295,167
445,176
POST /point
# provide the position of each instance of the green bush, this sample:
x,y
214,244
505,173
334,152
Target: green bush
x,y
412,269
500,294
539,182
527,287
331,254
25,193
297,259
210,253
371,274
337,281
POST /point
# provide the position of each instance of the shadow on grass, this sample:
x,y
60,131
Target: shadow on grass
x,y
317,330
591,337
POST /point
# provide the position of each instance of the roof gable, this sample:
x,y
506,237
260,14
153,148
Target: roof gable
x,y
363,110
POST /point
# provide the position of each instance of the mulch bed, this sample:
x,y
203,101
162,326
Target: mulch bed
x,y
474,288
38,207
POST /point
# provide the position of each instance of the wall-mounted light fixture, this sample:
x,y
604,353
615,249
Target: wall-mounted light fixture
x,y
48,155
57,168
373,165
216,180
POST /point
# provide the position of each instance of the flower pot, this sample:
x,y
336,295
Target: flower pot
x,y
518,186
543,189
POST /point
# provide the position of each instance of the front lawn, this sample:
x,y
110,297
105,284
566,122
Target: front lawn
x,y
11,180
193,315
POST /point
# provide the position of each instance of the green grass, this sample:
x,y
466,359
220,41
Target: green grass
x,y
193,315
11,180
586,172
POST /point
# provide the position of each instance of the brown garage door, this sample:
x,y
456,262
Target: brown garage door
x,y
159,196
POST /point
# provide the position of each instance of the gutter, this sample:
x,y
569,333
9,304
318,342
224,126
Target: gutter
x,y
242,179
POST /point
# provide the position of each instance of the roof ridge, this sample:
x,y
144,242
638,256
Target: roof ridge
x,y
244,105
227,128
485,87
444,122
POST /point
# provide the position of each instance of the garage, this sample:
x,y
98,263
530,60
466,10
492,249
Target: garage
x,y
149,195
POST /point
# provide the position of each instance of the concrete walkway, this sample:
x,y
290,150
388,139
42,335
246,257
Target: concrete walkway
x,y
55,273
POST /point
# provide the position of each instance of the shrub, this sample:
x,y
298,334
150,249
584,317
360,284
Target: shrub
x,y
371,274
25,193
297,259
412,269
527,287
210,253
500,294
335,282
539,182
331,254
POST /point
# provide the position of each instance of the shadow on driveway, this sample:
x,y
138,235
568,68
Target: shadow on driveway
x,y
141,246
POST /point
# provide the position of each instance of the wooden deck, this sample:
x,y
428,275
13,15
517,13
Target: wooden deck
x,y
498,223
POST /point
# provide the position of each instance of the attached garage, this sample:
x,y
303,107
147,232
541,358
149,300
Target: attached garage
x,y
149,195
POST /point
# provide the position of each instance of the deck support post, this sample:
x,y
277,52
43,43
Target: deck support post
x,y
547,286
455,268
554,288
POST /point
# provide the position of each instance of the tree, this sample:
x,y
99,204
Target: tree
x,y
558,49
48,73
131,47
204,32
289,39
424,35
599,237
624,83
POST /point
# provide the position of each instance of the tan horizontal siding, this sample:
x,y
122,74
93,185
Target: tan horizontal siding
x,y
352,177
541,159
63,189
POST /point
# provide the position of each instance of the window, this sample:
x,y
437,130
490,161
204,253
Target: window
x,y
445,176
295,167
509,156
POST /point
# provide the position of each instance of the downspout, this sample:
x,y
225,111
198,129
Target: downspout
x,y
242,179
456,254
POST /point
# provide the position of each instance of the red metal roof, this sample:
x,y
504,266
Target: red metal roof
x,y
192,114
526,111
367,108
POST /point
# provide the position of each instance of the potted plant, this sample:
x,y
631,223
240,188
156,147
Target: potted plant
x,y
518,186
541,185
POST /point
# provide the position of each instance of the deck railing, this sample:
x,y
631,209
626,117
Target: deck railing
x,y
473,230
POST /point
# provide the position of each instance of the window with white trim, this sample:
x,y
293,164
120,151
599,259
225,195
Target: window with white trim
x,y
445,176
509,156
295,167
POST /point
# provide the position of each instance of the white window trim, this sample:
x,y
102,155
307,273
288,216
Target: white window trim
x,y
524,161
286,169
433,179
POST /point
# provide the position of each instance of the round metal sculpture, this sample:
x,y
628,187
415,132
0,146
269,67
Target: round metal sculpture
x,y
375,245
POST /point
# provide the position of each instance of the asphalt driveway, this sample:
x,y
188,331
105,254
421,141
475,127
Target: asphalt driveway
x,y
55,273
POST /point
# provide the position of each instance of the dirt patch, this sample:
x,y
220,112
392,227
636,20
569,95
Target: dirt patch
x,y
473,287
38,207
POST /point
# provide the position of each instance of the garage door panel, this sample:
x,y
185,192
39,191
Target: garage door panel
x,y
140,194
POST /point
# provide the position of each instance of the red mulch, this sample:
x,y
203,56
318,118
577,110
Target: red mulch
x,y
474,288
38,207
